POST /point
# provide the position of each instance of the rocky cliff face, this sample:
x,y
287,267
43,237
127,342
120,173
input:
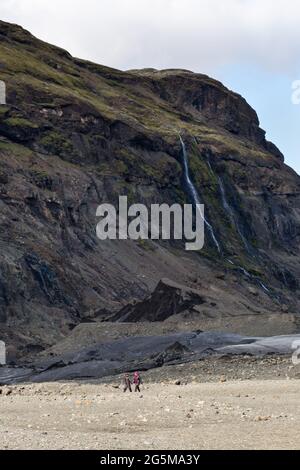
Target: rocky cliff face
x,y
74,134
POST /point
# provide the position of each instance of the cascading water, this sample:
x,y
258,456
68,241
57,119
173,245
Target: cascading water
x,y
263,286
209,165
195,197
247,274
231,213
228,208
194,194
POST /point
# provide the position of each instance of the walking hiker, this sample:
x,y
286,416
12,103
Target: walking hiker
x,y
127,383
137,381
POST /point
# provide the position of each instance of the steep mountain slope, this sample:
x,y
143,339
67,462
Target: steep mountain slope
x,y
75,134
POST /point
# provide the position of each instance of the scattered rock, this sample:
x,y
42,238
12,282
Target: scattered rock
x,y
262,418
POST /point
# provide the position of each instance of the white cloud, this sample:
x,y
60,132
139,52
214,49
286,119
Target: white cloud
x,y
195,34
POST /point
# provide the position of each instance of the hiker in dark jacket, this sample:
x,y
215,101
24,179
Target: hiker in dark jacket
x,y
127,383
137,381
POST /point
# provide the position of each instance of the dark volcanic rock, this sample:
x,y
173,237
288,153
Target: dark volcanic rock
x,y
167,299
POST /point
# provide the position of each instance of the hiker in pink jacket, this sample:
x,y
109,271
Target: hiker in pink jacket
x,y
137,381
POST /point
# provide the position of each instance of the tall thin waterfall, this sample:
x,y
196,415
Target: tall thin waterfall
x,y
231,213
196,200
194,194
228,208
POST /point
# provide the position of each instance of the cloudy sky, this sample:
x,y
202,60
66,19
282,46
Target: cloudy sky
x,y
252,46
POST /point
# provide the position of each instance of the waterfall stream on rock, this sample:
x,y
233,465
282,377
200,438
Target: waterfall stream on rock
x,y
194,194
227,208
231,214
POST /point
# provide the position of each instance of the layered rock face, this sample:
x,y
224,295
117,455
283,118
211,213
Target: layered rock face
x,y
74,134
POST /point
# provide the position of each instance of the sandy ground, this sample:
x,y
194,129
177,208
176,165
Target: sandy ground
x,y
241,414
